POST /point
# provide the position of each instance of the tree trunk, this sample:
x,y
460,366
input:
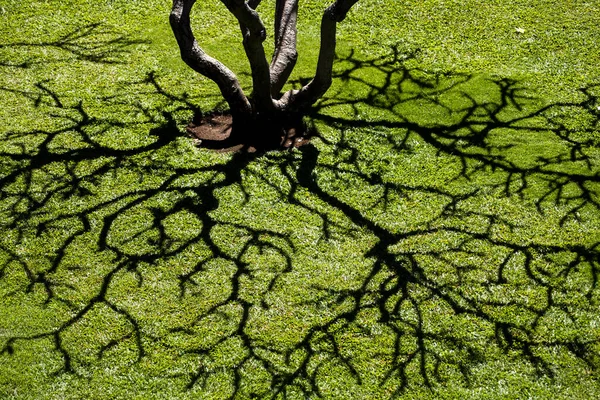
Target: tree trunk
x,y
267,113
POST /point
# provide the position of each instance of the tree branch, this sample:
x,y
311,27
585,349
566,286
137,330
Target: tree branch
x,y
253,4
285,56
254,34
311,92
199,61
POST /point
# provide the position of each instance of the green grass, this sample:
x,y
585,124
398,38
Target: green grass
x,y
440,240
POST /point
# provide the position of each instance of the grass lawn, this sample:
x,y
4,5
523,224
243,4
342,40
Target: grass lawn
x,y
440,239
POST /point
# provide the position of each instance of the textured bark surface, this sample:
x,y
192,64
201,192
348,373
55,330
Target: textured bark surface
x,y
285,55
266,105
200,62
310,93
254,34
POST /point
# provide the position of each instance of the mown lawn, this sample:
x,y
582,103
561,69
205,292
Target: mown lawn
x,y
440,239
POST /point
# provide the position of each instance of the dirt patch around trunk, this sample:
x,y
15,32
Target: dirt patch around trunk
x,y
219,133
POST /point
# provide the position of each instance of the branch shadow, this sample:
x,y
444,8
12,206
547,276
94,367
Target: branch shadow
x,y
95,42
440,297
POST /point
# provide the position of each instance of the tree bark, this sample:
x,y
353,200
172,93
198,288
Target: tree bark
x,y
254,33
285,55
285,113
199,61
253,4
311,92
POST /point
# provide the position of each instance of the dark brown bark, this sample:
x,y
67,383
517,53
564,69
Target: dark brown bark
x,y
253,4
202,63
311,92
285,56
254,33
268,79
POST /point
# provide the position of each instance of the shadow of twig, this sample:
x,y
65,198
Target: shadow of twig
x,y
463,285
94,42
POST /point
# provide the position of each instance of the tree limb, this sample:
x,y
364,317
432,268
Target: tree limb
x,y
253,4
311,92
285,56
254,34
199,61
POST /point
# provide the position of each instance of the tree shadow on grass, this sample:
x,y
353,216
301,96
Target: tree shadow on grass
x,y
398,254
465,260
95,42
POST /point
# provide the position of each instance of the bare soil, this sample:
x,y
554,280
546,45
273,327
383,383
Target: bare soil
x,y
218,132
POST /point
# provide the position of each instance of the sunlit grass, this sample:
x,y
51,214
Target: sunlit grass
x,y
439,240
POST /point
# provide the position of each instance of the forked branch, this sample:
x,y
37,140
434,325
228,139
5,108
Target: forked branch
x,y
199,61
268,80
311,92
254,33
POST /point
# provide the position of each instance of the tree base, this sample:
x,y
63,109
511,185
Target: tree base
x,y
220,132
